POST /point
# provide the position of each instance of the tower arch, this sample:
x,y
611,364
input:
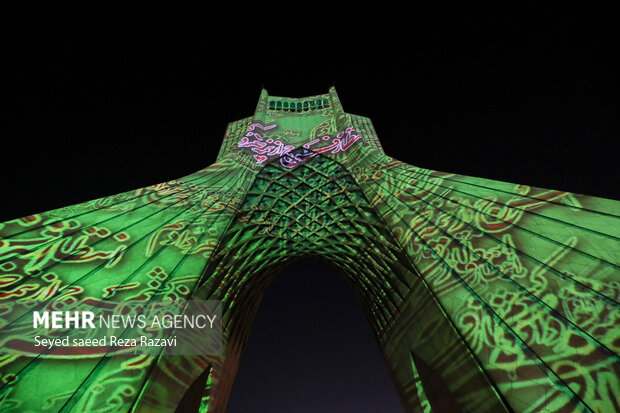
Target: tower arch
x,y
504,296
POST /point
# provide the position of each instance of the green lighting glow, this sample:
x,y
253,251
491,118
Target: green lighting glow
x,y
508,294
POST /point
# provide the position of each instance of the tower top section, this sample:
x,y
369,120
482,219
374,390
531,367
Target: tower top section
x,y
296,130
301,116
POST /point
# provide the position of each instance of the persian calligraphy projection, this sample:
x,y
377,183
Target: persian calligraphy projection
x,y
484,296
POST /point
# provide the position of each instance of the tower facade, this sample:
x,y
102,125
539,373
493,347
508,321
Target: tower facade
x,y
484,296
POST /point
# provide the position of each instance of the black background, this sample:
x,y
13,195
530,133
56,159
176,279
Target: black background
x,y
104,101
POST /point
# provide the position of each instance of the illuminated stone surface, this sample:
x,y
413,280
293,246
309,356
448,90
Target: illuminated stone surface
x,y
483,295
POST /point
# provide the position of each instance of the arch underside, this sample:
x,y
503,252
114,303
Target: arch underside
x,y
481,294
318,210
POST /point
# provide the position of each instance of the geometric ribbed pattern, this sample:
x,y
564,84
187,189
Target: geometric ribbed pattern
x,y
315,210
529,276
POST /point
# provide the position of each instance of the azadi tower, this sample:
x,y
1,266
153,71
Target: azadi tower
x,y
483,296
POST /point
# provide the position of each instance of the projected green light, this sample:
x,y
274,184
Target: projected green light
x,y
506,294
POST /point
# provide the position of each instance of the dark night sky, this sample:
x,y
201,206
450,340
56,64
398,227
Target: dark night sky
x,y
107,101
